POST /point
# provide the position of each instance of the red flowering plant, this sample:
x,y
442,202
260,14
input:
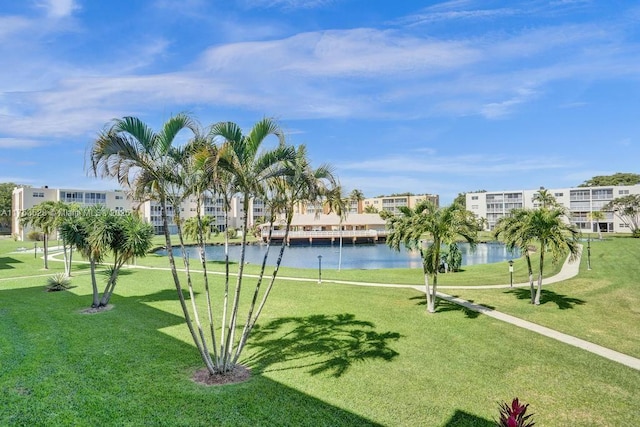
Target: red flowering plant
x,y
514,415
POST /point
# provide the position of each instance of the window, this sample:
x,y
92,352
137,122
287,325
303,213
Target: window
x,y
118,197
38,194
474,206
558,194
623,191
474,197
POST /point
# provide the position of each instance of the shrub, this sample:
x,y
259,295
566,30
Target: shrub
x,y
514,415
58,282
232,233
35,236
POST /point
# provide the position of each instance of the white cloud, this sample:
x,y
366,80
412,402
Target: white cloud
x,y
59,8
18,143
288,4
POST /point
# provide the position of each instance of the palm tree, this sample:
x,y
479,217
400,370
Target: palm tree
x,y
440,226
554,234
370,209
544,198
75,231
356,196
596,216
145,162
125,236
199,224
339,205
299,183
249,167
515,232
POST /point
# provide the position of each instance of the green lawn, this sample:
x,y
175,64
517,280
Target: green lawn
x,y
323,355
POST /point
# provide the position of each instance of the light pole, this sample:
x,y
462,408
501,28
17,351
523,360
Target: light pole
x,y
589,252
319,268
511,273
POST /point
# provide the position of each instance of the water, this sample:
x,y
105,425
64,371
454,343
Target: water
x,y
366,257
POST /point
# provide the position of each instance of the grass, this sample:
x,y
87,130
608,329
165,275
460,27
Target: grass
x,y
323,355
601,305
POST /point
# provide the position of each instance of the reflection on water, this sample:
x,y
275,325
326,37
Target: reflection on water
x,y
367,257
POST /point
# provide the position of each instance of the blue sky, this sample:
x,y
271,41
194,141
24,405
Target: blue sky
x,y
419,96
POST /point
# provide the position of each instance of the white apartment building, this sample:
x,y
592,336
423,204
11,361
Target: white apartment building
x,y
579,201
25,197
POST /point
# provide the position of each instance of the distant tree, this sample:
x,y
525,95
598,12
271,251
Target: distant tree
x,y
627,208
370,209
461,199
6,189
596,216
356,196
544,198
42,217
619,178
192,227
454,257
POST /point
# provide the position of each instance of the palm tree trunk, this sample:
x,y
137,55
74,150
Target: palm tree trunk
x,y
203,261
432,306
185,258
94,283
64,256
252,321
225,302
427,289
227,362
176,281
70,259
530,270
539,290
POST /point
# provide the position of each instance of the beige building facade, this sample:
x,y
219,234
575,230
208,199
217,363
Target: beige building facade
x,y
393,203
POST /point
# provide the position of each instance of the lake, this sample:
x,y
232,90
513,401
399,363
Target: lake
x,y
367,257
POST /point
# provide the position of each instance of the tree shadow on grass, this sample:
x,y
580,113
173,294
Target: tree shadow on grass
x,y
465,419
134,339
6,261
443,306
562,301
327,344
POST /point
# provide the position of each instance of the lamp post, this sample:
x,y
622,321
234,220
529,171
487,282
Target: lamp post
x,y
589,252
319,268
511,273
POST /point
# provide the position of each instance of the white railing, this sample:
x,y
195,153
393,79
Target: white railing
x,y
279,234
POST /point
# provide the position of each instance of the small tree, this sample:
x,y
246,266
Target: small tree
x,y
627,208
126,237
426,228
549,228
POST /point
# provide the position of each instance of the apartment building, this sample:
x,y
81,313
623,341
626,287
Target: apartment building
x,y
580,203
25,197
394,202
